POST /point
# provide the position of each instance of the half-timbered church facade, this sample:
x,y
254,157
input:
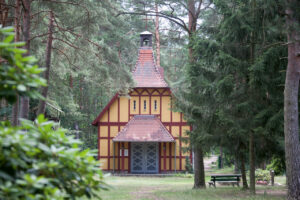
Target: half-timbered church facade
x,y
141,134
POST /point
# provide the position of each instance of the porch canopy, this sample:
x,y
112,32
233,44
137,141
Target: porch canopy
x,y
144,128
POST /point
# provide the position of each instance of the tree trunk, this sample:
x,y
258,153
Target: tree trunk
x,y
252,163
236,164
42,102
157,37
15,108
24,105
199,179
221,157
251,136
243,171
291,126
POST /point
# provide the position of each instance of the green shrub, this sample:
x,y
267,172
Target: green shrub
x,y
262,175
18,75
39,162
278,165
188,165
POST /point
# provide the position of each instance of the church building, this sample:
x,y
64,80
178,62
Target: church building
x,y
141,134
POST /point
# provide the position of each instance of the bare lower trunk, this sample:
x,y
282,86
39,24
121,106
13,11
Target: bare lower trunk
x,y
243,171
15,108
236,164
15,113
24,101
42,102
252,163
291,127
157,37
199,179
221,157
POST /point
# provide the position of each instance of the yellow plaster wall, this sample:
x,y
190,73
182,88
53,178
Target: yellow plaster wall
x,y
165,109
155,93
175,131
124,109
104,117
113,131
153,111
175,116
136,111
184,130
103,147
103,162
113,112
103,131
145,111
145,93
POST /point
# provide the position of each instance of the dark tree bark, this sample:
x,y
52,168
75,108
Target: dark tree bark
x,y
15,108
199,179
42,103
157,40
236,164
291,126
251,135
243,171
24,104
221,157
252,163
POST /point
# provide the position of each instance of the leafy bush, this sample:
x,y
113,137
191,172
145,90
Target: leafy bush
x,y
18,75
38,162
262,175
278,165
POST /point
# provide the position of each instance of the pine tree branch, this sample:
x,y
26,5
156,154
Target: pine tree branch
x,y
172,18
67,57
71,45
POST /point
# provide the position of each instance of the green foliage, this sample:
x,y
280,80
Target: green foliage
x,y
277,164
262,175
39,162
188,165
19,75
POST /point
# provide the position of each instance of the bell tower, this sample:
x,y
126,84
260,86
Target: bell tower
x,y
146,39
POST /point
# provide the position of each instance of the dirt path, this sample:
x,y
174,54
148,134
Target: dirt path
x,y
208,162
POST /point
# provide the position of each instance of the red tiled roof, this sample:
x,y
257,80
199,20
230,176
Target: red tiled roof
x,y
144,128
146,74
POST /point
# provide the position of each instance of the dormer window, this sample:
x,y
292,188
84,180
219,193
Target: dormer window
x,y
145,104
155,104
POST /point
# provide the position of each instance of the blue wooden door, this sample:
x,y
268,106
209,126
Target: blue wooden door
x,y
144,158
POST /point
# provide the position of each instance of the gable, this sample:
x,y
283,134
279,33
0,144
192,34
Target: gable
x,y
105,110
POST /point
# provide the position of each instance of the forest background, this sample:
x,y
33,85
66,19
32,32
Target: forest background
x,y
224,60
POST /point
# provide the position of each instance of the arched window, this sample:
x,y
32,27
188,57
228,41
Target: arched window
x,y
134,104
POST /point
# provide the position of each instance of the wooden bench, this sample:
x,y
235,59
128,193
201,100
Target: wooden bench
x,y
233,179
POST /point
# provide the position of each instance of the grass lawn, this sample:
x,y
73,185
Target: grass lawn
x,y
179,188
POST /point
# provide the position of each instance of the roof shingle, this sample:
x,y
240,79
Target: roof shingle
x,y
144,128
146,74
